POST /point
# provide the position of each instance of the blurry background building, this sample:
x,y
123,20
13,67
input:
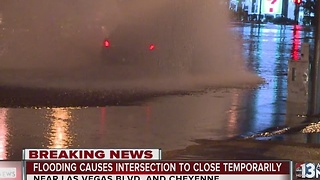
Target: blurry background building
x,y
280,11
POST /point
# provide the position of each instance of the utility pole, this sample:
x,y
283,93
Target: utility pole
x,y
253,5
260,9
239,10
296,13
315,93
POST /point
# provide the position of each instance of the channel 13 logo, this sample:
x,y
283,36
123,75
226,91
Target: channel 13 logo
x,y
308,170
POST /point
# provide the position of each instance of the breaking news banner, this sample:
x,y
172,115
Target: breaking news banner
x,y
158,170
91,154
10,170
307,170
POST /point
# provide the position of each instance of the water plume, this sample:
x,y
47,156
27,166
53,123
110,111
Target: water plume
x,y
57,43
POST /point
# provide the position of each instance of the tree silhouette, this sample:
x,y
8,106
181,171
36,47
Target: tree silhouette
x,y
309,7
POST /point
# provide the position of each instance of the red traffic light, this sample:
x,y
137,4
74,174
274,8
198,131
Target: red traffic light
x,y
151,47
106,43
297,1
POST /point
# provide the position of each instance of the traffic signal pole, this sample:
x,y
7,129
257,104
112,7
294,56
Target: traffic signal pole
x,y
296,13
260,9
315,94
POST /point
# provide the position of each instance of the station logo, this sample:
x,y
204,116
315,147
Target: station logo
x,y
307,170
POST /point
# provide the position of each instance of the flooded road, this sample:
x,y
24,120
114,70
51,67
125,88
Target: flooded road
x,y
175,121
166,122
269,51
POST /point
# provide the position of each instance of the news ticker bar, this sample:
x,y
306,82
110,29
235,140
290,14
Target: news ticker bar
x,y
147,170
142,164
91,154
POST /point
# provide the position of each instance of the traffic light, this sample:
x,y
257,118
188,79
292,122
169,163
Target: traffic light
x,y
297,1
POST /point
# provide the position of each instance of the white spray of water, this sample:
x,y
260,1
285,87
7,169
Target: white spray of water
x,y
43,41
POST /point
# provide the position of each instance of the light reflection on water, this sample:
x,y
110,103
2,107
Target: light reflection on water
x,y
3,133
168,123
59,135
233,115
296,42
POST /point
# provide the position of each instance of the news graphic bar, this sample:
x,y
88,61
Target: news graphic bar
x,y
157,170
10,170
91,154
